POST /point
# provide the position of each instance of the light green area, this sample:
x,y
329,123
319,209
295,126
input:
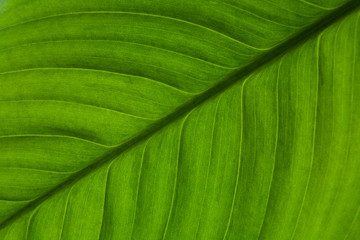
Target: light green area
x,y
274,156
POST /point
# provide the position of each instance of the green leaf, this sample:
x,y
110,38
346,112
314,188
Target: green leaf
x,y
179,119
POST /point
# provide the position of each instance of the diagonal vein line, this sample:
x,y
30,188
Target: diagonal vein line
x,y
181,134
29,224
316,110
106,187
208,165
357,214
275,152
64,214
236,76
352,225
138,189
239,162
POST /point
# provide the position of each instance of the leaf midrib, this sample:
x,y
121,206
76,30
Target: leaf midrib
x,y
234,77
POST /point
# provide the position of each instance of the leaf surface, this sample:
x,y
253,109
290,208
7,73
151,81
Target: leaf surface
x,y
179,120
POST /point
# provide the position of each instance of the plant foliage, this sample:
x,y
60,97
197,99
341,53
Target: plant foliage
x,y
179,119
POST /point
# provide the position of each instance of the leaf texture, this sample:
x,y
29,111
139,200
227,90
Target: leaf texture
x,y
273,156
